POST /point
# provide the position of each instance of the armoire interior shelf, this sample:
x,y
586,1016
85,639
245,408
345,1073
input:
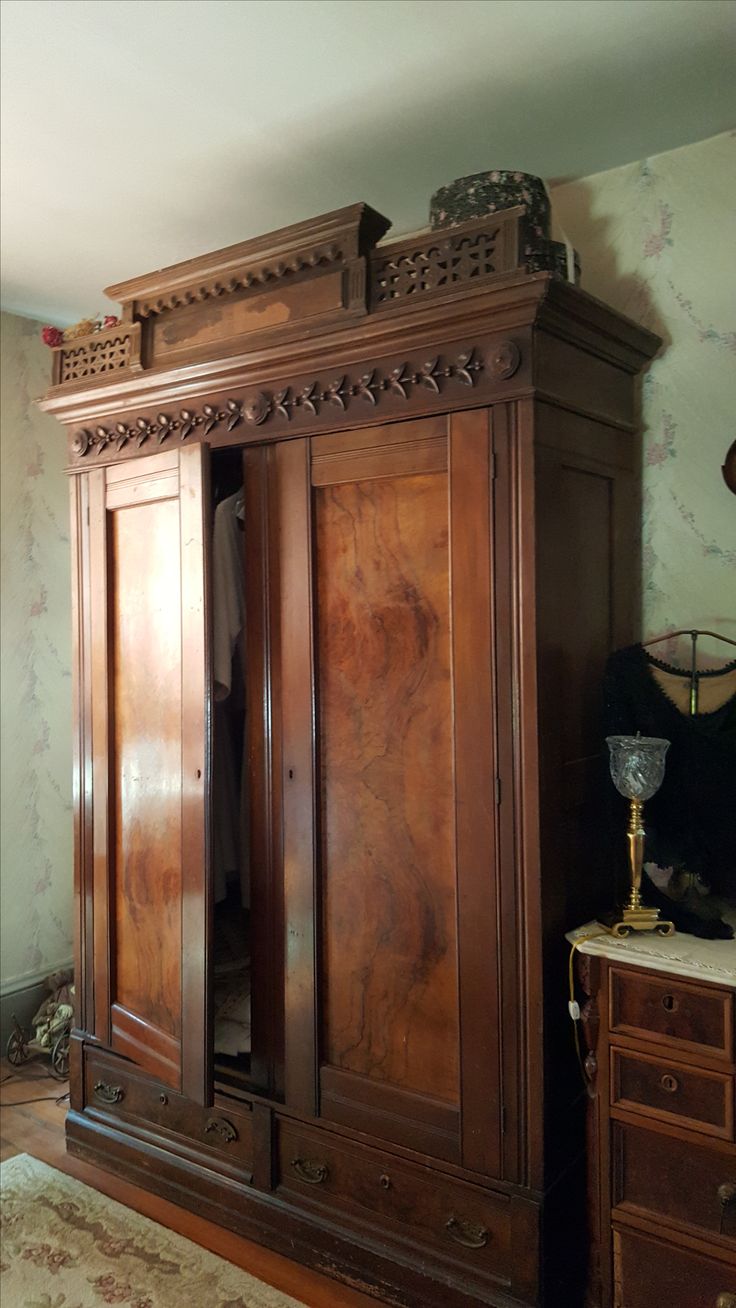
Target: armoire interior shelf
x,y
438,458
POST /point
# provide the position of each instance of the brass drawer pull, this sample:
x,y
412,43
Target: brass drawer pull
x,y
727,1198
470,1234
669,1083
109,1094
221,1127
310,1172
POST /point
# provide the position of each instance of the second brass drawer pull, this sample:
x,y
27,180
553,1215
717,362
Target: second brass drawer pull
x,y
109,1094
223,1128
669,1083
471,1234
310,1172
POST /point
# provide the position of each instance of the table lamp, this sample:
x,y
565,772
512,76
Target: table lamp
x,y
637,768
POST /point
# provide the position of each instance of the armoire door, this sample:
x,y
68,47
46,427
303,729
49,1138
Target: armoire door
x,y
144,549
393,997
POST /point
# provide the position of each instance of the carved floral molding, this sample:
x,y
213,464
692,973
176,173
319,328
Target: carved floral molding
x,y
342,393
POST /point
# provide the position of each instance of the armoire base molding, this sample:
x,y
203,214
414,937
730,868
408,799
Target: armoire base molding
x,y
344,1253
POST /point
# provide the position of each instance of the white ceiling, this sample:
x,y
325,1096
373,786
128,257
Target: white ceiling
x,y
136,133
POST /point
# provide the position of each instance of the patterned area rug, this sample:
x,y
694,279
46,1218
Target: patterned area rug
x,y
67,1246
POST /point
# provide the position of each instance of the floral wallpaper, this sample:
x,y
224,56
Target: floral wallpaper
x,y
35,640
656,240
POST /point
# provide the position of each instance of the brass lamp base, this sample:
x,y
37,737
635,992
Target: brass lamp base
x,y
637,919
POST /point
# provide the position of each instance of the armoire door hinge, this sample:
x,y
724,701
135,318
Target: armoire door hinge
x,y
503,1121
493,465
498,790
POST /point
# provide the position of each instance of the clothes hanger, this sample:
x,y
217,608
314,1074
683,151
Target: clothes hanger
x,y
670,635
694,674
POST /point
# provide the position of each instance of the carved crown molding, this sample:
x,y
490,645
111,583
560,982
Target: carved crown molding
x,y
336,238
249,277
340,395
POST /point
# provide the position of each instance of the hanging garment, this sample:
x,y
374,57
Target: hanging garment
x,y
228,591
689,822
228,658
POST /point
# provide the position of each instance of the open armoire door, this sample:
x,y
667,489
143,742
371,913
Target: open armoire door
x,y
142,644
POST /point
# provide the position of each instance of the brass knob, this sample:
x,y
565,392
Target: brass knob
x,y
385,1181
669,1083
670,1003
726,1194
726,1300
163,1099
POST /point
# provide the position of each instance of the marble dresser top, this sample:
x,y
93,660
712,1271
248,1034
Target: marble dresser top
x,y
706,960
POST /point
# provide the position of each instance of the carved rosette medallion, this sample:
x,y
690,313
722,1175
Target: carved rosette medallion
x,y
504,360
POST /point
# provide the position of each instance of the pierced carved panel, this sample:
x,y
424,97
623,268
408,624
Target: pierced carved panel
x,y
442,260
114,350
440,264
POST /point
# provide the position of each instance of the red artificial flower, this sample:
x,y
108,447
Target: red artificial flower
x,y
52,336
109,321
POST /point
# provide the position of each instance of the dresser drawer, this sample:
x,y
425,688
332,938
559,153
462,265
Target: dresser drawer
x,y
675,1013
449,1217
648,1272
691,1185
115,1087
673,1092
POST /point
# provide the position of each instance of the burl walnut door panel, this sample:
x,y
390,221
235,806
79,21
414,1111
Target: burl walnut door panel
x,y
149,762
397,852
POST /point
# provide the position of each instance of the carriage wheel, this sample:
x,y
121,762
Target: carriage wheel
x,y
16,1048
60,1058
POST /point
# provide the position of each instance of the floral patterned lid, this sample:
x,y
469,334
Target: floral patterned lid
x,y
482,193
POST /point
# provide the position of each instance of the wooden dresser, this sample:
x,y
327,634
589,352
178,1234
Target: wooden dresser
x,y
659,1033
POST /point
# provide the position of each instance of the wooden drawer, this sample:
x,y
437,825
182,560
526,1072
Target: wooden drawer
x,y
120,1089
452,1218
689,1184
677,1013
648,1272
673,1092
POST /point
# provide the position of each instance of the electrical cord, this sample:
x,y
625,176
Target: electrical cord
x,y
573,1006
44,1099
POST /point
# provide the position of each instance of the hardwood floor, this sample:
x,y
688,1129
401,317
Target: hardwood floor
x,y
38,1129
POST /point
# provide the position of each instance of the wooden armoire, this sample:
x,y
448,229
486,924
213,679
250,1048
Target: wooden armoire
x,y
438,454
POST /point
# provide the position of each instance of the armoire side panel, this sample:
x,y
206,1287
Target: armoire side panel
x,y
585,530
389,939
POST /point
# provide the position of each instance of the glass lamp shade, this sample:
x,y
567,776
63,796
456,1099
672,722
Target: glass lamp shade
x,y
637,765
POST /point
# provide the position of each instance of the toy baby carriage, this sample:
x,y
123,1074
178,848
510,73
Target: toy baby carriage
x,y
52,1026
